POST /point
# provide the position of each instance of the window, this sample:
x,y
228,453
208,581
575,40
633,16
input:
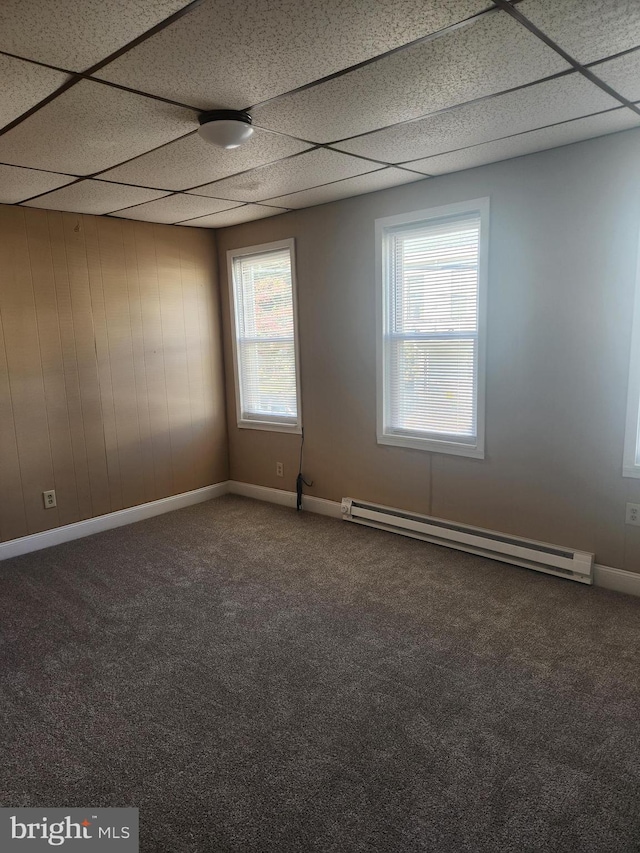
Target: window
x,y
631,458
265,344
432,281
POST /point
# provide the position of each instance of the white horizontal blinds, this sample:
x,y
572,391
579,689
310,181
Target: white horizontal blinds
x,y
431,340
265,336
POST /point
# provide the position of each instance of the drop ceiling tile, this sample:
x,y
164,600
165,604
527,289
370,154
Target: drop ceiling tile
x,y
245,213
190,161
94,197
17,184
175,208
622,74
504,115
490,55
77,35
24,85
234,53
528,143
91,127
372,181
287,176
587,29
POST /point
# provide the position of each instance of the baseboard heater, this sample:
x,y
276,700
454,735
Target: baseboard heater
x,y
551,559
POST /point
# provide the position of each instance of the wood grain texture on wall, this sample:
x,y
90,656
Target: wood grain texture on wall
x,y
111,380
562,263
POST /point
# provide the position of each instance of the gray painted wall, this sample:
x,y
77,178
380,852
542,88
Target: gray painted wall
x,y
563,248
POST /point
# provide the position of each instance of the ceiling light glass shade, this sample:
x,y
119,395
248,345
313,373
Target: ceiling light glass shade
x,y
226,128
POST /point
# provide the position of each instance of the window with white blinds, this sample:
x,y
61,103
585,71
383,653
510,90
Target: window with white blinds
x,y
433,280
265,342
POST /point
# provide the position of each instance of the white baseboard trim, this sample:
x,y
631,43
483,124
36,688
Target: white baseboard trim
x,y
37,541
261,493
321,506
606,577
618,580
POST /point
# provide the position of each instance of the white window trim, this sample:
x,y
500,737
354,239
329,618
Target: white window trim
x,y
457,448
632,428
232,254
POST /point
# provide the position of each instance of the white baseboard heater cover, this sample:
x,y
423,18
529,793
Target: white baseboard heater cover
x,y
551,559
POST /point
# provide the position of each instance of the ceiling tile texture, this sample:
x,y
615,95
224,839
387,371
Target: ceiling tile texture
x,y
587,29
90,127
340,92
17,184
287,176
236,216
24,85
236,53
485,57
94,197
528,143
536,106
622,74
175,208
77,34
190,162
379,180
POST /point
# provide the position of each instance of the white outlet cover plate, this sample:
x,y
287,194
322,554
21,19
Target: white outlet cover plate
x,y
633,514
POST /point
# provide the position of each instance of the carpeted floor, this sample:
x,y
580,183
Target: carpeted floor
x,y
257,680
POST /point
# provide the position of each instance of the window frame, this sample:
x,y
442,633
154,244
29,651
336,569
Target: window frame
x,y
630,467
247,251
476,448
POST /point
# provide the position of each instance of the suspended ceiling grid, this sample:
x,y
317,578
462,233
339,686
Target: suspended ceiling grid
x,y
100,102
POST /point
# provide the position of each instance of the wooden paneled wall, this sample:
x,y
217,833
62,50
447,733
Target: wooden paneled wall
x,y
111,381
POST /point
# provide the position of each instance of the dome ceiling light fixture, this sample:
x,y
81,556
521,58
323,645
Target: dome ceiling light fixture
x,y
226,128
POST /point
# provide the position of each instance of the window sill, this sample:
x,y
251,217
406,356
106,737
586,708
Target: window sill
x,y
295,429
631,471
473,451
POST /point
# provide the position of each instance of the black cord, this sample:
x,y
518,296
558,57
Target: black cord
x,y
300,480
301,448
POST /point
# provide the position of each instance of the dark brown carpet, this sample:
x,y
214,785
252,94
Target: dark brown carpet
x,y
257,680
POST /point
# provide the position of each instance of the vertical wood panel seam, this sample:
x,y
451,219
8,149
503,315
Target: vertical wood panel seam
x,y
144,360
164,366
75,349
187,359
113,401
133,360
203,276
44,384
64,377
110,484
95,355
13,418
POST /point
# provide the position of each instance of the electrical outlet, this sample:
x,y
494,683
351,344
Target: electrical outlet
x,y
279,469
633,514
49,499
